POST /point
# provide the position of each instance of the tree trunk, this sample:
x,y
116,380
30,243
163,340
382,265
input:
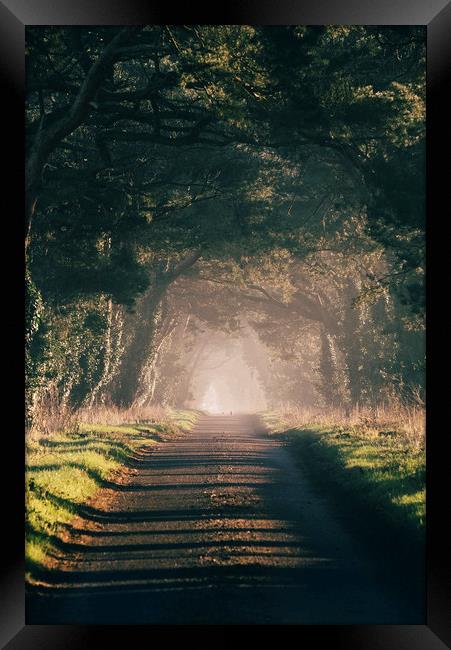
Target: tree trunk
x,y
351,345
142,328
113,340
150,375
184,390
332,378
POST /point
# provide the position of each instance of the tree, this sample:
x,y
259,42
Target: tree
x,y
277,170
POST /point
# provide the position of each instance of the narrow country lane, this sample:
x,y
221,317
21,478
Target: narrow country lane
x,y
219,526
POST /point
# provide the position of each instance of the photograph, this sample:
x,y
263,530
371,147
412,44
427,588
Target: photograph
x,y
222,275
225,354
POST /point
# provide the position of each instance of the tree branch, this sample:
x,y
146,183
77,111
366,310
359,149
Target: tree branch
x,y
47,138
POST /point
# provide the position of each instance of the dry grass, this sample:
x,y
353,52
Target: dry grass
x,y
51,416
51,413
110,414
400,418
374,457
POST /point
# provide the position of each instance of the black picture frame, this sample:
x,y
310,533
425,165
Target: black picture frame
x,y
435,634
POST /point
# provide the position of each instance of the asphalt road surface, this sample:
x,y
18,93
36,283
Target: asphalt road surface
x,y
216,527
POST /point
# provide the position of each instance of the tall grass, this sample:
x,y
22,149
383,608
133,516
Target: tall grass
x,y
402,418
371,458
51,414
110,414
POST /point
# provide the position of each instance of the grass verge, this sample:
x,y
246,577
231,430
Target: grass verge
x,y
184,418
381,468
65,471
375,481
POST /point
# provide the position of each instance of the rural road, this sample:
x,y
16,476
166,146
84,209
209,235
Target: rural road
x,y
217,527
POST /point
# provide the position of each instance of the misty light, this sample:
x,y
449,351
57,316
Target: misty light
x,y
210,402
224,380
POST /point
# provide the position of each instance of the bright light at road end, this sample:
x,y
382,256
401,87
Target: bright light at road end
x,y
226,379
210,401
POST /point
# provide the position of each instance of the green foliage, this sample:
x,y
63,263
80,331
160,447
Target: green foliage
x,y
34,309
68,349
266,148
383,471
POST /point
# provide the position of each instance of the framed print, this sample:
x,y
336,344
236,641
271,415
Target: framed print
x,y
226,298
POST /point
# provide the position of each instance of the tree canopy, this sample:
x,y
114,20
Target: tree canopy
x,y
267,180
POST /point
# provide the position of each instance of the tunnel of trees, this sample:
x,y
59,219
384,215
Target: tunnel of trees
x,y
232,201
